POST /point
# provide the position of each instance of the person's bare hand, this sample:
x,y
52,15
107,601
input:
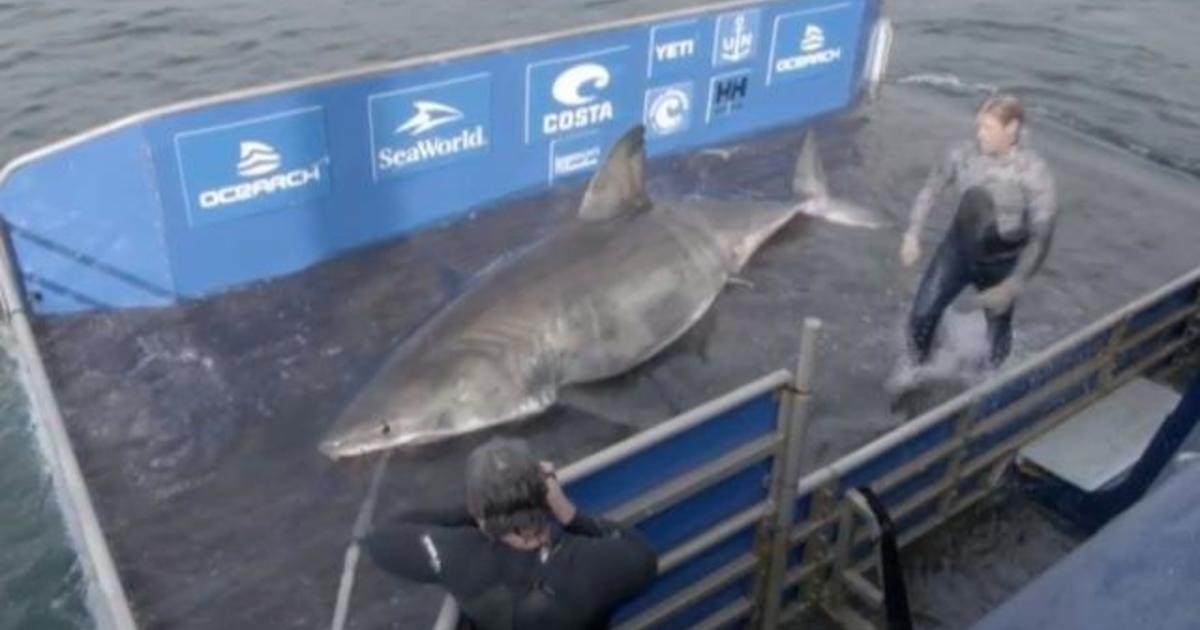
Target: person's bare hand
x,y
556,499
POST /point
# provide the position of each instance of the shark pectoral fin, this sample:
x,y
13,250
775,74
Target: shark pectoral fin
x,y
618,188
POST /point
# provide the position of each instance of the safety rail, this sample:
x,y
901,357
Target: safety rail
x,y
941,463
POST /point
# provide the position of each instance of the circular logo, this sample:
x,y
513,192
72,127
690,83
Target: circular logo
x,y
576,85
669,111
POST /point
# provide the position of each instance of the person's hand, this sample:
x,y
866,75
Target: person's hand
x,y
999,298
556,499
910,249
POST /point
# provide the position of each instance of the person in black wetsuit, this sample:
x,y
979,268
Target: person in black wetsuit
x,y
1001,233
519,555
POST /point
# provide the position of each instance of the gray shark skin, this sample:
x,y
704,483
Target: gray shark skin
x,y
592,300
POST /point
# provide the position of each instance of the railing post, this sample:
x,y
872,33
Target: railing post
x,y
962,434
793,420
1108,357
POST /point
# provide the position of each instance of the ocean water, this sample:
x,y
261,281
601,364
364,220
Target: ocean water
x,y
1121,72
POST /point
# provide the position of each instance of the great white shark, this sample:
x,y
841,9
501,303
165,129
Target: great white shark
x,y
594,299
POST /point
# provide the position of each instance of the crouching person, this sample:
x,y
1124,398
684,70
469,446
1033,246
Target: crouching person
x,y
520,556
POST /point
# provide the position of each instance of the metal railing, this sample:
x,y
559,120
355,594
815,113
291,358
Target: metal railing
x,y
941,463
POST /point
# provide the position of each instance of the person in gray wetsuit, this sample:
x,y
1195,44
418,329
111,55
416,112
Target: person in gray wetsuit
x,y
1001,232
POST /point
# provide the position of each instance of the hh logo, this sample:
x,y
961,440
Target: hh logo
x,y
728,94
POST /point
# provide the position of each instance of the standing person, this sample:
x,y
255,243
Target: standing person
x,y
1000,235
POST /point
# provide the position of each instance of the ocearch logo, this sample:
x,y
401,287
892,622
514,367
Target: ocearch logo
x,y
579,88
258,159
813,52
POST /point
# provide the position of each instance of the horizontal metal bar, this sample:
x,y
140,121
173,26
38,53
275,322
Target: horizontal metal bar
x,y
710,537
693,482
1057,385
848,618
967,501
1028,434
694,593
1142,336
903,433
793,611
802,534
731,613
865,591
917,466
1143,364
931,524
900,475
803,572
675,426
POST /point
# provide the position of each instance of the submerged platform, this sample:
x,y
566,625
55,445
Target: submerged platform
x,y
196,426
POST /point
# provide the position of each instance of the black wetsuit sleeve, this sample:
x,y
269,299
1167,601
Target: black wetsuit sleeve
x,y
584,525
413,545
620,560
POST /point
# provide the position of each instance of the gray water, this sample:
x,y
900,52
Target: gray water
x,y
1122,72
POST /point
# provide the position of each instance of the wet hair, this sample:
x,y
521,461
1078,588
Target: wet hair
x,y
1004,106
505,488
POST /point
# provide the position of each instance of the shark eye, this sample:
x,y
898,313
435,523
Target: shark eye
x,y
387,429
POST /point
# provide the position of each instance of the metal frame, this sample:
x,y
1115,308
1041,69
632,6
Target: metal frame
x,y
828,576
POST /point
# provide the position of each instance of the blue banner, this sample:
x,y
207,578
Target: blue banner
x,y
197,200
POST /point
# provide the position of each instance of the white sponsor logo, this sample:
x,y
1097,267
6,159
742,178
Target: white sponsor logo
x,y
430,115
258,158
813,52
428,148
737,45
673,51
576,161
669,111
569,86
577,88
814,39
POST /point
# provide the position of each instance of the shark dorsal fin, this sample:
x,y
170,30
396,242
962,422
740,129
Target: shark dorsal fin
x,y
808,182
618,188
